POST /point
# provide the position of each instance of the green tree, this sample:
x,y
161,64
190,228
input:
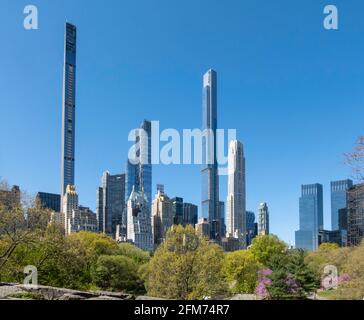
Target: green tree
x,y
267,246
185,267
117,273
240,269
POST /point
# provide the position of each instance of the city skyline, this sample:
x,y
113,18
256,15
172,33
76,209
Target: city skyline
x,y
86,158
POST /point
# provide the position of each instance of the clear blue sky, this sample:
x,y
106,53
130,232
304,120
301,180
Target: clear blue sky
x,y
293,90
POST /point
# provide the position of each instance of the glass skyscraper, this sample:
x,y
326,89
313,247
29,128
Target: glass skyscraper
x,y
68,109
338,200
139,174
210,181
110,202
311,216
49,201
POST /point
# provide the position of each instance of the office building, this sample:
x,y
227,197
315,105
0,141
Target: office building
x,y
355,215
162,217
210,179
263,219
139,228
338,200
311,217
203,228
190,214
49,201
10,198
177,209
82,219
110,202
236,202
70,203
250,227
68,109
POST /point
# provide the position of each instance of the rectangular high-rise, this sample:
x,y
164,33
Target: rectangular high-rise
x,y
110,202
68,109
311,216
355,215
338,200
236,198
210,180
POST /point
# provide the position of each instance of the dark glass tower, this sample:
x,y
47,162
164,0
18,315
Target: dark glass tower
x,y
110,202
338,200
68,109
210,180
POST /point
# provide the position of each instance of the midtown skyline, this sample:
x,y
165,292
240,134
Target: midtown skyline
x,y
322,166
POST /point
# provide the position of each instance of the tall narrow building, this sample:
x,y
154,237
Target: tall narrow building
x,y
355,215
68,109
338,200
311,216
210,179
236,201
110,202
263,219
162,217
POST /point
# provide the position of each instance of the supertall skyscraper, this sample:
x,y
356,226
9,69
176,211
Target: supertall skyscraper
x,y
338,200
236,199
68,109
210,179
311,216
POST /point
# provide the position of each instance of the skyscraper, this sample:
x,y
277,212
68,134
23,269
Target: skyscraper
x,y
190,214
49,201
110,202
263,219
162,217
139,174
311,216
68,109
70,203
177,209
355,215
139,221
236,202
250,227
210,178
338,200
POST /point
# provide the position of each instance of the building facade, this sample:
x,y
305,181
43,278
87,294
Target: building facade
x,y
177,209
82,219
210,179
190,214
263,219
355,215
311,217
203,228
10,198
70,203
250,227
110,202
162,217
49,201
68,109
139,228
338,200
236,202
